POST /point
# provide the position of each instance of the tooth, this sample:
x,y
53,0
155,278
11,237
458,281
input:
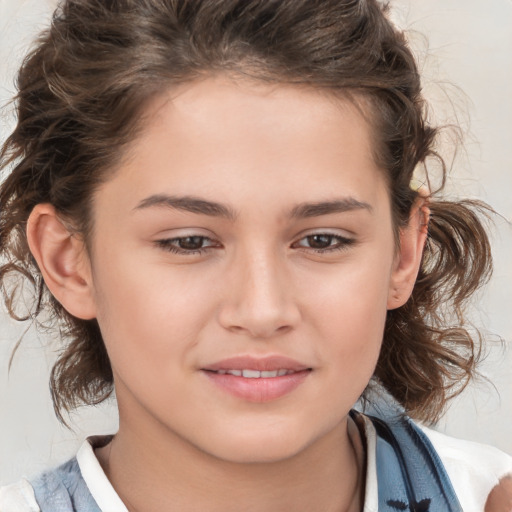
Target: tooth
x,y
280,373
222,372
236,373
269,374
251,374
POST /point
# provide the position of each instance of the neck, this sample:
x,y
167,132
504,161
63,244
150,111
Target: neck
x,y
154,471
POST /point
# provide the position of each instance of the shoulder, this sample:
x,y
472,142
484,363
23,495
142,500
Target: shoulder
x,y
65,475
18,497
63,489
473,468
475,457
462,471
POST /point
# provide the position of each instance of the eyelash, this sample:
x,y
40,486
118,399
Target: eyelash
x,y
342,243
172,244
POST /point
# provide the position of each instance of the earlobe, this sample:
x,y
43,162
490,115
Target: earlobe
x,y
409,256
62,260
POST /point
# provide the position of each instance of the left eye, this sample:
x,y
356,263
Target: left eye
x,y
187,244
323,242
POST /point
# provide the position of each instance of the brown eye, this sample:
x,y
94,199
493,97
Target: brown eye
x,y
324,242
191,243
188,244
320,241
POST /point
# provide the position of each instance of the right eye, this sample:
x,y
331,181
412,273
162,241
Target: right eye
x,y
194,244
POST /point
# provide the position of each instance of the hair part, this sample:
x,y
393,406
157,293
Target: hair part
x,y
82,94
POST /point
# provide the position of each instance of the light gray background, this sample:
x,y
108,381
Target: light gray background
x,y
460,43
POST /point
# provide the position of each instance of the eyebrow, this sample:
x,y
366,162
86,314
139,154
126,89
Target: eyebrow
x,y
189,204
346,204
204,207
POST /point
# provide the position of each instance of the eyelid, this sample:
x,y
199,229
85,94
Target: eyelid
x,y
340,241
171,244
343,241
340,233
184,232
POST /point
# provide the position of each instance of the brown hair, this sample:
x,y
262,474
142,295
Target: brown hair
x,y
81,94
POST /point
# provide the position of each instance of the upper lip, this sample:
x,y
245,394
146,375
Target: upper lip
x,y
269,363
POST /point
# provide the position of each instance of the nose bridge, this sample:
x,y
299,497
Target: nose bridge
x,y
263,277
261,302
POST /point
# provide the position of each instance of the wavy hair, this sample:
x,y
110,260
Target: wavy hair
x,y
81,94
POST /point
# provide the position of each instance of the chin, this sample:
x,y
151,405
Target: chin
x,y
260,449
259,455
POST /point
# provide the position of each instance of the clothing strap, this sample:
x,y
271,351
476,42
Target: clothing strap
x,y
64,490
410,474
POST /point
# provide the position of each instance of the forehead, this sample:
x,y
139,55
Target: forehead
x,y
223,105
231,138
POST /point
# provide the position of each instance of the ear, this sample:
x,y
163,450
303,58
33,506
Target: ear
x,y
62,260
408,258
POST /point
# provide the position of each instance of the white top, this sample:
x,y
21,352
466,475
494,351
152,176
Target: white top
x,y
474,469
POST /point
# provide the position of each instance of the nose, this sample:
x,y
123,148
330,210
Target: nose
x,y
259,298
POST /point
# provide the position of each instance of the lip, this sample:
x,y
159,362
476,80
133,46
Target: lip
x,y
269,363
261,389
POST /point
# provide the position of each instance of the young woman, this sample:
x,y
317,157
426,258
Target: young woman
x,y
215,201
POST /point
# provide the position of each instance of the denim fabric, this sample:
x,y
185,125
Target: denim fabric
x,y
410,474
64,490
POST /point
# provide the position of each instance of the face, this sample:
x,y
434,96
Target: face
x,y
242,260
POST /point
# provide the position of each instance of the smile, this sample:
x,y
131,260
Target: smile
x,y
256,379
256,374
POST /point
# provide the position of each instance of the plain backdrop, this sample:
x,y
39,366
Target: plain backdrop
x,y
465,52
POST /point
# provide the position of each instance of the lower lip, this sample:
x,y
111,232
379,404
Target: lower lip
x,y
258,390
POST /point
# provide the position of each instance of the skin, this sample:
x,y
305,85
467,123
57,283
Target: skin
x,y
259,287
500,498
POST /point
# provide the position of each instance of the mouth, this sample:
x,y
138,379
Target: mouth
x,y
252,367
256,374
258,379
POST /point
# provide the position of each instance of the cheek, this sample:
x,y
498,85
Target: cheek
x,y
355,338
354,327
349,315
140,312
352,297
